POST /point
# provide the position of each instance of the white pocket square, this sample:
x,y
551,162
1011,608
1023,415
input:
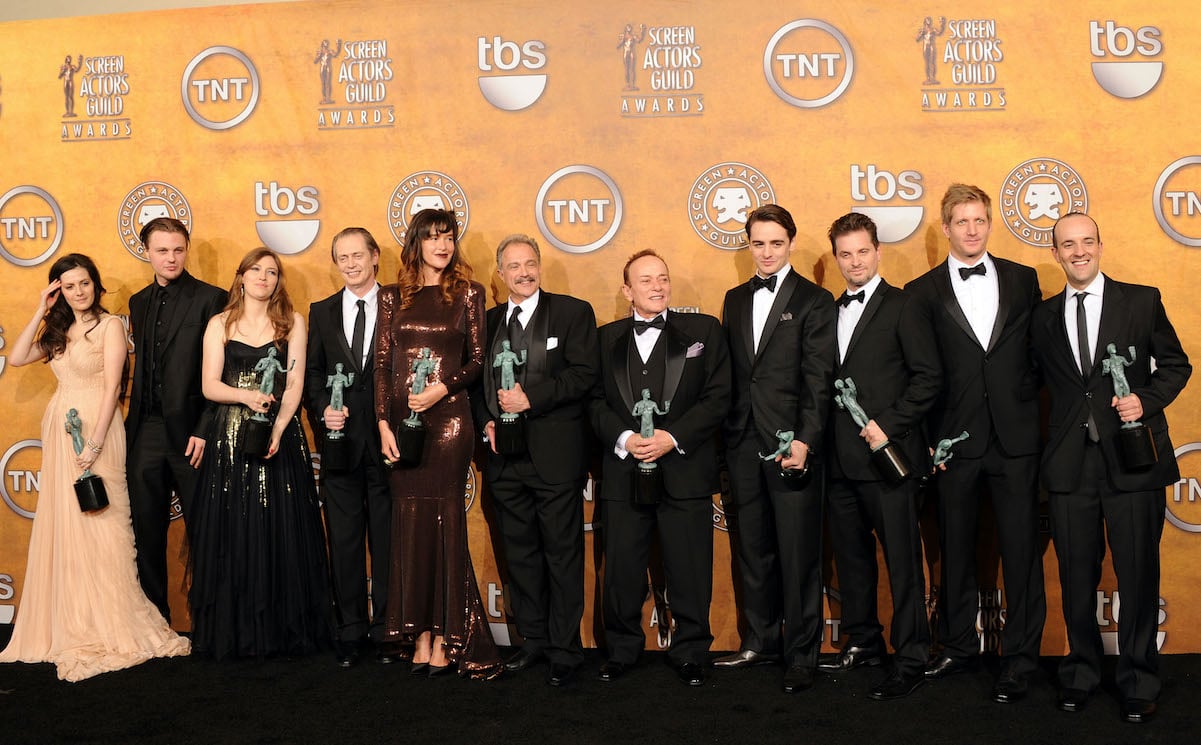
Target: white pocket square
x,y
552,342
696,350
786,317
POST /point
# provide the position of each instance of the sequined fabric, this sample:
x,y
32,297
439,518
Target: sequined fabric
x,y
432,584
258,565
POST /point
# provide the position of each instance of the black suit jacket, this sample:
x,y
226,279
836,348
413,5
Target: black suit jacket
x,y
185,410
562,348
893,360
980,385
327,346
786,385
1130,315
697,383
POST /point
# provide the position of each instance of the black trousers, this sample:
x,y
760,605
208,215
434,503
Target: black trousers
x,y
1133,523
777,532
1011,482
542,530
855,510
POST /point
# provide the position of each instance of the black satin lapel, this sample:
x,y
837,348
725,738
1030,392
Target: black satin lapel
x,y
621,364
494,333
1004,304
536,333
783,298
1109,331
951,303
865,320
676,349
339,332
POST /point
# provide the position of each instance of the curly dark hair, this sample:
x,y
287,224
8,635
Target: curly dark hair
x,y
60,316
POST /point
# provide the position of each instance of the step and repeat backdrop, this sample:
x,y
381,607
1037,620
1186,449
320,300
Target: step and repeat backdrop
x,y
603,129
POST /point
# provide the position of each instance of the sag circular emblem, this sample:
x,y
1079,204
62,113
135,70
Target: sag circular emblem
x,y
720,200
469,490
1037,193
426,190
145,202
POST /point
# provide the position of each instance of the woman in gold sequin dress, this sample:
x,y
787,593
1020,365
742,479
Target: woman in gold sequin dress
x,y
259,577
81,605
433,601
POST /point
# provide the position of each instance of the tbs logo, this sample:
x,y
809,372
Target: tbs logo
x,y
519,87
286,236
1122,77
894,222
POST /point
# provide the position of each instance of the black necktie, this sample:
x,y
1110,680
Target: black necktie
x,y
758,282
640,327
358,338
847,297
1086,364
516,330
967,271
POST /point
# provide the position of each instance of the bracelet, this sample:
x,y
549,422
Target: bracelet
x,y
94,447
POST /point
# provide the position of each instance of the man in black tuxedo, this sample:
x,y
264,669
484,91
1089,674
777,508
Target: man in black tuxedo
x,y
979,308
1094,494
781,333
538,494
681,359
358,503
892,357
168,416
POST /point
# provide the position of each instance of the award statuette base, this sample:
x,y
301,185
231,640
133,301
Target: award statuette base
x,y
648,485
1137,446
410,441
890,463
256,437
510,436
335,452
89,490
795,478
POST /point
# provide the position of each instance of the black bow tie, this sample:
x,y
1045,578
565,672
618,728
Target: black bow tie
x,y
657,322
847,297
967,271
758,282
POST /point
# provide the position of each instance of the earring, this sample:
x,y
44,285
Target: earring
x,y
242,289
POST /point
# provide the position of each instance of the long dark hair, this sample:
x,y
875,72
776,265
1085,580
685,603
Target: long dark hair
x,y
53,339
455,279
279,307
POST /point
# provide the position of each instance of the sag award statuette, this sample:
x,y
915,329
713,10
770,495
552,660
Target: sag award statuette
x,y
256,432
887,458
89,488
510,430
796,477
942,451
333,450
648,479
410,435
1134,439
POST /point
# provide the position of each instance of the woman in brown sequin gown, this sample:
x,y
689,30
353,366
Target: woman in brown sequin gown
x,y
433,601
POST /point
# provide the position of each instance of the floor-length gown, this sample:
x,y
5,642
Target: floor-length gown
x,y
432,584
82,607
259,569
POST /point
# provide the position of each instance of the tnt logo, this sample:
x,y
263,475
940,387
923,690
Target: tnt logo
x,y
1176,202
1184,497
21,476
894,222
579,208
286,236
31,225
511,82
1114,44
220,88
808,63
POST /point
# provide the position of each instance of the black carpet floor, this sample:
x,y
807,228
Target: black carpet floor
x,y
310,700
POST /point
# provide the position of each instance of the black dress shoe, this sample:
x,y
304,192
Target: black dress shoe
x,y
559,675
745,658
387,658
945,667
1072,700
347,653
897,685
437,671
611,671
1137,710
798,678
419,668
523,659
1010,688
691,673
850,658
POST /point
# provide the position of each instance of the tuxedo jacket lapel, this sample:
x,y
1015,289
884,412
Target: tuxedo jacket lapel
x,y
787,286
1005,290
495,323
621,364
1109,331
676,350
865,320
951,303
536,332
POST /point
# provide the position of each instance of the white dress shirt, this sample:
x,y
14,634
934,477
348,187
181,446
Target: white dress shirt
x,y
761,303
1092,310
350,311
849,315
979,297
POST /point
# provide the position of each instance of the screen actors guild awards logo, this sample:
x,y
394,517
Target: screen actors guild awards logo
x,y
145,202
970,51
670,61
100,83
720,200
363,72
421,191
1037,193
